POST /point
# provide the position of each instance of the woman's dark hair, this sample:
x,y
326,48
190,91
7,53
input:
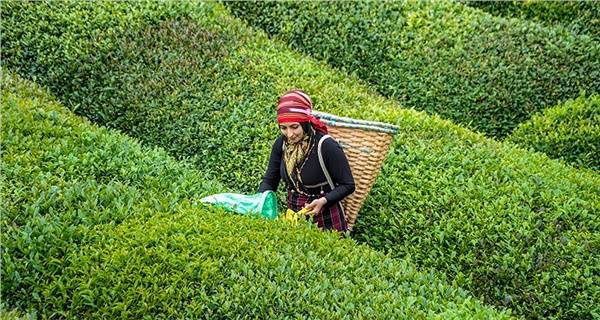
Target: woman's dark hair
x,y
307,126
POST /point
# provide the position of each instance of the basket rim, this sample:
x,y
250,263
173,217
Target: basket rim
x,y
345,122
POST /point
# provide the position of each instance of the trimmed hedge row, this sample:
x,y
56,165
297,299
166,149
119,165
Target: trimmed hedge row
x,y
62,178
145,71
570,131
486,73
579,17
515,228
95,226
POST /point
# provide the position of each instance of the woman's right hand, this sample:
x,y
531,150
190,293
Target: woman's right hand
x,y
316,205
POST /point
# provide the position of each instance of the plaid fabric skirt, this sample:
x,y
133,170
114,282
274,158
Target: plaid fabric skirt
x,y
330,217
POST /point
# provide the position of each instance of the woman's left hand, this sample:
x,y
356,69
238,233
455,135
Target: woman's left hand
x,y
316,206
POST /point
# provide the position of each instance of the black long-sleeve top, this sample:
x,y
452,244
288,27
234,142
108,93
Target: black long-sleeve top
x,y
312,175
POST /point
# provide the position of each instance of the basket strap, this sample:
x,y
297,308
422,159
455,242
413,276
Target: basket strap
x,y
322,163
324,168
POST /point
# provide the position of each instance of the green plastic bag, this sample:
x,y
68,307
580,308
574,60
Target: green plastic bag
x,y
264,204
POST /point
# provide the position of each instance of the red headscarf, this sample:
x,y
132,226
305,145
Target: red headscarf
x,y
296,106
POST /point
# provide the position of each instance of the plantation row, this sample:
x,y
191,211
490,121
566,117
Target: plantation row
x,y
569,131
484,72
513,227
96,226
579,17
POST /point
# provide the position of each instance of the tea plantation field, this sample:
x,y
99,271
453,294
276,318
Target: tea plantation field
x,y
117,117
97,226
485,72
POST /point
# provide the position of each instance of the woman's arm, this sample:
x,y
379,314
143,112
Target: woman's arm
x,y
339,170
272,175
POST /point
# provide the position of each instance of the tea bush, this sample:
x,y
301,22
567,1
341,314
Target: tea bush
x,y
62,178
570,131
579,17
486,73
96,226
153,73
10,315
217,266
513,227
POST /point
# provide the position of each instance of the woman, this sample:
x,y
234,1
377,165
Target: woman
x,y
294,157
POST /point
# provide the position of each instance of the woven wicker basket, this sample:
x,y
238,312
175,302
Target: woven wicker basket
x,y
365,144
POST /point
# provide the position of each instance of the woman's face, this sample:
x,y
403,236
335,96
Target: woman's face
x,y
292,131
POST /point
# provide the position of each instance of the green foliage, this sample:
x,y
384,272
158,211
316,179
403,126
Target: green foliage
x,y
180,96
569,131
513,227
217,266
95,226
517,230
13,315
486,73
62,178
579,17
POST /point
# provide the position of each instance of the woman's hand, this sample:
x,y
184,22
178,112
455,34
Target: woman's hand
x,y
316,206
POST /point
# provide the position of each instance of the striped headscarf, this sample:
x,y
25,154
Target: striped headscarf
x,y
296,106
